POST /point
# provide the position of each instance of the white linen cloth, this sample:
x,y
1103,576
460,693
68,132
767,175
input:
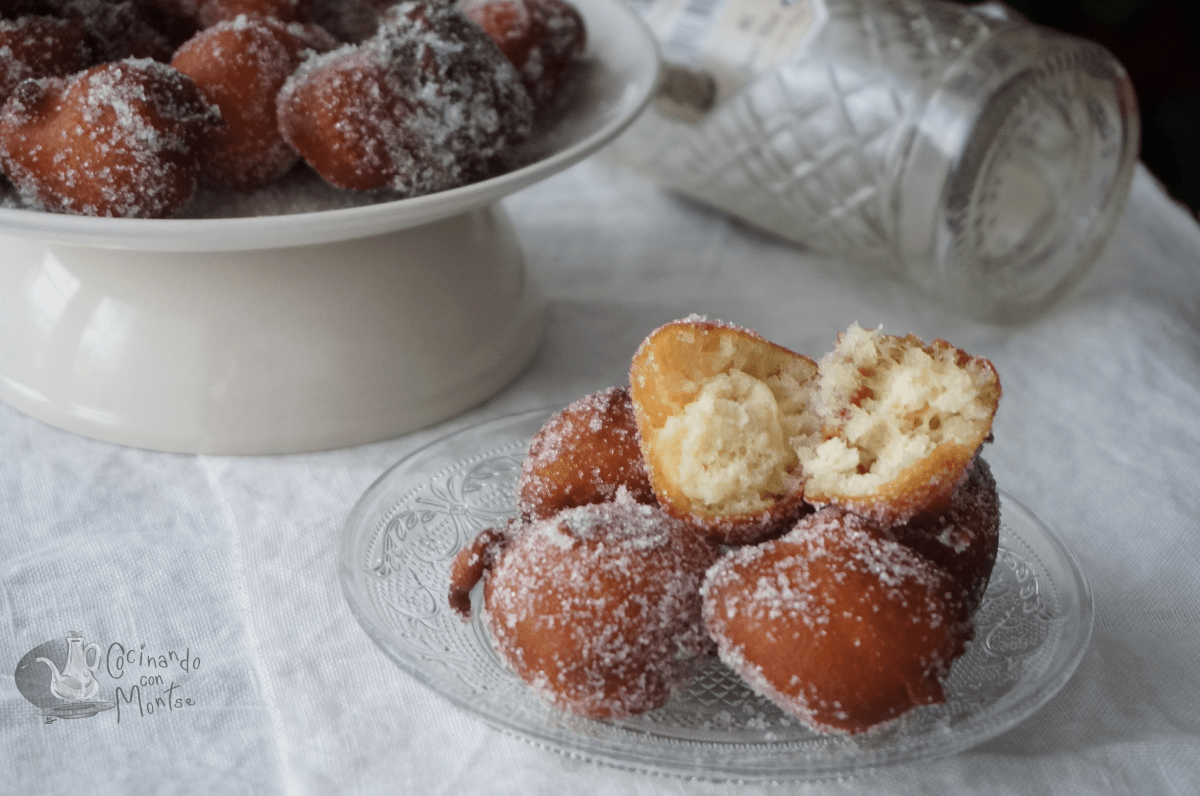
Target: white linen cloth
x,y
234,559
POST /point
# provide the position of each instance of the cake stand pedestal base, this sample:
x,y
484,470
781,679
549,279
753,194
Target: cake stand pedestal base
x,y
271,350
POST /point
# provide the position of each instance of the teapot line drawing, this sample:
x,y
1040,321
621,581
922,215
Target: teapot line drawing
x,y
75,683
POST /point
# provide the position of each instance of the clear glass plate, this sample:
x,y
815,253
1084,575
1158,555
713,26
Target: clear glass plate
x,y
401,537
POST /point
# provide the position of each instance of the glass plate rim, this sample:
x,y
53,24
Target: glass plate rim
x,y
592,749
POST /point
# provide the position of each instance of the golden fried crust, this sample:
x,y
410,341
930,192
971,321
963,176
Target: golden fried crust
x,y
920,491
965,538
719,409
539,37
119,139
348,121
472,563
836,623
902,423
240,66
32,47
584,454
598,607
424,105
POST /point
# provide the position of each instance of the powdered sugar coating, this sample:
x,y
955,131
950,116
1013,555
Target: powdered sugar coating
x,y
964,540
212,12
240,65
422,106
836,623
598,607
582,455
119,139
348,20
39,46
539,38
118,29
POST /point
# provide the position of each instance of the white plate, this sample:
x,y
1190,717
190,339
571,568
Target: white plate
x,y
301,331
403,534
614,82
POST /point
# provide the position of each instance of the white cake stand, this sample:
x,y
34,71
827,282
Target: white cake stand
x,y
296,332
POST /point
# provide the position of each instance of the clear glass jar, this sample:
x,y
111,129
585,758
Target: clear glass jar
x,y
981,157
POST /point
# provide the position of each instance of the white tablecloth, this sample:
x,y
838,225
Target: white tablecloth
x,y
232,561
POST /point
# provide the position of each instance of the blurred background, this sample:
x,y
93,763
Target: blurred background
x,y
1158,42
